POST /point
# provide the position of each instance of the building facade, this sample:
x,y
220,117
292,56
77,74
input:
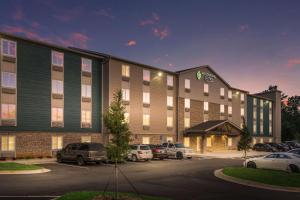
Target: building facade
x,y
52,96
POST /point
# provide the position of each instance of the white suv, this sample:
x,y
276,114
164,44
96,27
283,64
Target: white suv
x,y
178,151
139,152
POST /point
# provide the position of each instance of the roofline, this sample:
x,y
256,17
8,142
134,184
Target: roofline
x,y
257,96
70,49
230,122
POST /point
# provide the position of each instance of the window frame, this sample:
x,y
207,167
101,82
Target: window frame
x,y
187,122
222,92
206,88
83,64
187,84
146,75
59,144
85,115
169,122
146,97
187,103
146,119
170,100
7,144
125,70
125,94
53,53
230,110
206,108
85,92
55,89
229,94
222,108
8,110
57,114
170,80
10,75
9,49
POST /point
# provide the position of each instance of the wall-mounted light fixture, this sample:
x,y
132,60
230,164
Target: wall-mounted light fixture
x,y
159,74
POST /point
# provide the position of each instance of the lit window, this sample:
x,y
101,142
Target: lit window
x,y
146,75
222,108
254,141
8,143
186,141
208,141
9,48
270,128
242,97
170,80
146,120
57,114
86,91
206,106
242,112
86,65
86,139
86,116
57,87
126,117
169,139
230,110
125,70
254,114
261,128
254,101
146,140
254,127
261,140
8,80
8,111
187,103
270,105
261,115
146,97
229,94
205,118
222,92
169,101
261,103
169,122
206,88
187,84
57,58
186,122
57,142
270,116
270,139
242,125
229,142
125,94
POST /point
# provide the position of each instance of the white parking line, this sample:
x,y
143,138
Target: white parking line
x,y
76,166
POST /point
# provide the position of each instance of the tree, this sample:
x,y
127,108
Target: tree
x,y
245,140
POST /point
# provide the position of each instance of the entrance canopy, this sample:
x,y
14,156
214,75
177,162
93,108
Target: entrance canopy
x,y
214,127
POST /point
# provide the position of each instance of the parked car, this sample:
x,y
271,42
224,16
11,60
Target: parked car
x,y
82,153
264,147
178,151
276,161
295,151
139,152
278,147
292,144
287,147
158,151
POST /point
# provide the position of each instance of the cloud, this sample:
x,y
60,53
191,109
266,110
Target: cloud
x,y
68,15
243,28
18,14
162,33
153,20
80,39
293,62
105,13
21,30
131,43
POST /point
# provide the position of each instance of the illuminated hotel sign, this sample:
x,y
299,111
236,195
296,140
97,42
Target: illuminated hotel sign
x,y
206,76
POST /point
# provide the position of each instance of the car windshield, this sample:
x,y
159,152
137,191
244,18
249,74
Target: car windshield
x,y
95,147
144,148
179,145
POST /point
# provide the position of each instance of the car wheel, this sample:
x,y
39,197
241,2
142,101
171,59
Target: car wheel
x,y
179,155
98,163
80,161
134,158
251,165
293,168
59,158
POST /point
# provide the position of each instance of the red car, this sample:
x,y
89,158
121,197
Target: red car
x,y
158,151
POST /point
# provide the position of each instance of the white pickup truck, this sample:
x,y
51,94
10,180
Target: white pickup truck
x,y
178,151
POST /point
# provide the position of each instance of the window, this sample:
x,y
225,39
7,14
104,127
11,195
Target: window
x,y
205,88
169,139
186,122
205,117
126,117
222,92
254,114
261,115
86,65
146,97
254,127
146,120
187,84
57,87
242,97
8,111
57,142
270,139
187,103
261,140
169,101
208,141
126,70
261,128
57,115
222,108
206,106
86,91
270,105
146,140
242,125
169,122
86,116
270,117
242,112
230,110
86,139
254,141
261,103
229,142
146,75
125,95
254,101
57,58
9,48
8,143
8,80
170,80
229,94
270,128
186,142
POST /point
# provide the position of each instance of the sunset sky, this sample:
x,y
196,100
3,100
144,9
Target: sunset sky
x,y
251,44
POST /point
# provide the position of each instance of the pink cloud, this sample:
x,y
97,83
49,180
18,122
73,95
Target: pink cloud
x,y
154,19
243,28
131,43
79,39
161,33
105,13
35,24
293,62
18,14
20,30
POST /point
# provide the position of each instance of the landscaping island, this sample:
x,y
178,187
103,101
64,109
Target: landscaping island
x,y
91,195
11,166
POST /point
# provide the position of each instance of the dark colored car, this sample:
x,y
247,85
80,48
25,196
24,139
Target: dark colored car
x,y
293,144
264,147
285,146
295,151
158,151
279,147
82,153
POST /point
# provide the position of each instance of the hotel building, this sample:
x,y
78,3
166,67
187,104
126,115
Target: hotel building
x,y
51,96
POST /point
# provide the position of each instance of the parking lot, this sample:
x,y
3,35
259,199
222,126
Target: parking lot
x,y
177,179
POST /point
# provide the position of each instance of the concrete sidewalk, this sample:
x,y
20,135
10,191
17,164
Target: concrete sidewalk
x,y
231,154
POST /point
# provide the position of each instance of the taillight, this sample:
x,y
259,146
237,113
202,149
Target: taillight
x,y
156,150
140,152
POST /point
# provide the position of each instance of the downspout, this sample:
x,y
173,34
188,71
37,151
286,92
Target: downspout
x,y
105,61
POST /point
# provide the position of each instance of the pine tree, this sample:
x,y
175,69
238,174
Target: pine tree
x,y
245,140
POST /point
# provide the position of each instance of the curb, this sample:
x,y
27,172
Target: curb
x,y
219,174
37,171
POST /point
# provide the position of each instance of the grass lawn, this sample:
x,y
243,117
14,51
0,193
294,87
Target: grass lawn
x,y
17,166
271,177
89,195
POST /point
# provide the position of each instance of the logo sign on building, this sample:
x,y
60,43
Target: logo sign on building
x,y
206,76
